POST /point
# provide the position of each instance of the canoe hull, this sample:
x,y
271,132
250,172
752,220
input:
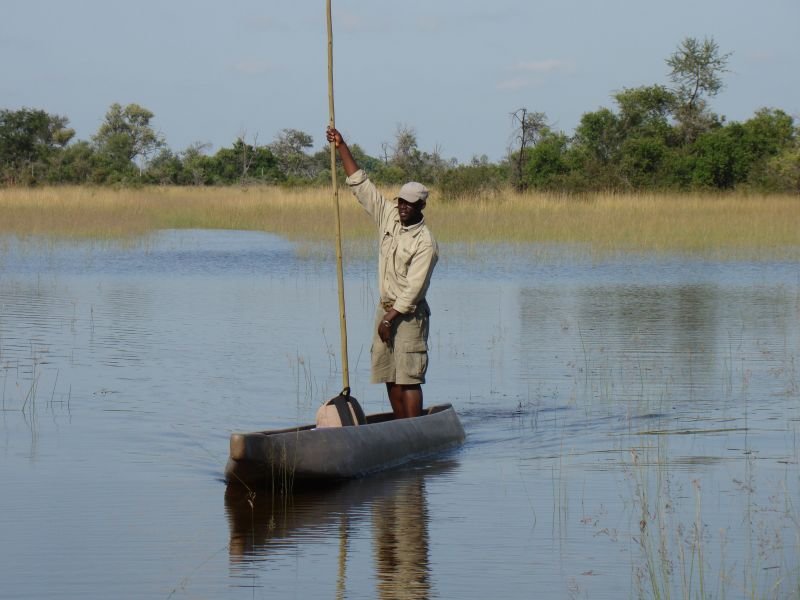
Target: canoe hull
x,y
308,454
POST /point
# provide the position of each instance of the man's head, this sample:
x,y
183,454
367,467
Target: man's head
x,y
411,201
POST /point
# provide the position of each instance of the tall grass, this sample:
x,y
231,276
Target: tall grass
x,y
731,225
717,224
677,559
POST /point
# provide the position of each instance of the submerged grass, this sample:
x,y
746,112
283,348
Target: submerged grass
x,y
724,226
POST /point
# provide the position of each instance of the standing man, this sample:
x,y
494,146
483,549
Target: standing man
x,y
408,254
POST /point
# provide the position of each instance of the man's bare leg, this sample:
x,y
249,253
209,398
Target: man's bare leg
x,y
396,399
406,400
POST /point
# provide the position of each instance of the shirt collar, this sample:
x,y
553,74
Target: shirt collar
x,y
413,227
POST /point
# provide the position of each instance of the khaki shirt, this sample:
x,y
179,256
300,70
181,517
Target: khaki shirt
x,y
407,254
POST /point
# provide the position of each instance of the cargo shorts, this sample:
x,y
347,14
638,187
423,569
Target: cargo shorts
x,y
404,360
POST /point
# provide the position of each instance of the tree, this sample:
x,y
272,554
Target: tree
x,y
289,149
645,110
721,160
478,179
598,133
321,161
546,166
165,168
73,164
244,162
782,172
529,127
696,71
697,68
406,158
768,132
595,150
197,165
645,133
641,161
125,136
28,140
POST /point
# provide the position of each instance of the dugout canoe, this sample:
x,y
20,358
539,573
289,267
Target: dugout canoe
x,y
308,454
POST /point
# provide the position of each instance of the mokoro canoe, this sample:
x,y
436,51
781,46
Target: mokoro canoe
x,y
305,454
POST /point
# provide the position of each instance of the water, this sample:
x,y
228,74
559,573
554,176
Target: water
x,y
627,421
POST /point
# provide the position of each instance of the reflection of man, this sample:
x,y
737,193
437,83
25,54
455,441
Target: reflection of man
x,y
408,254
401,542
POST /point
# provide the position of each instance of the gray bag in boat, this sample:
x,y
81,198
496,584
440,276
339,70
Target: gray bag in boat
x,y
342,411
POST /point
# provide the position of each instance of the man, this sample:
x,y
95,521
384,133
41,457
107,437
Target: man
x,y
408,254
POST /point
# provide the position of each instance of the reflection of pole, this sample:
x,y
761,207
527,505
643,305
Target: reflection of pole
x,y
340,579
339,268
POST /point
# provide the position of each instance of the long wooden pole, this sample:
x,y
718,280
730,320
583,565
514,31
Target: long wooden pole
x,y
334,181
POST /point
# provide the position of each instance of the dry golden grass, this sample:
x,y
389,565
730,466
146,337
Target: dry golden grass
x,y
723,225
104,213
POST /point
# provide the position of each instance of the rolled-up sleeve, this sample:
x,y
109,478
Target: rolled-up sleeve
x,y
367,195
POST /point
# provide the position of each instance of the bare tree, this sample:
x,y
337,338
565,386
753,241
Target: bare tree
x,y
405,152
529,127
246,153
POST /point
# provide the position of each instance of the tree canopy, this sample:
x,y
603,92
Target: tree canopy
x,y
657,136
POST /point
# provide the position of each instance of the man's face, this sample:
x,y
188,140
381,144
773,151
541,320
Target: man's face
x,y
409,213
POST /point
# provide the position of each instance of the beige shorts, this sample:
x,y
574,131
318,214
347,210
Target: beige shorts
x,y
405,359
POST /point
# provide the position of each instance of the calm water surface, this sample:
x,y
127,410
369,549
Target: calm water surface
x,y
632,426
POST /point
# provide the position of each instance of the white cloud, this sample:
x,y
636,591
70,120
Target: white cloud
x,y
549,65
532,73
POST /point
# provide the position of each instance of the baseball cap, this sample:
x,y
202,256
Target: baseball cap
x,y
413,192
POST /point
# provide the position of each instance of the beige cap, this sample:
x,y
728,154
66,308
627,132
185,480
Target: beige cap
x,y
413,192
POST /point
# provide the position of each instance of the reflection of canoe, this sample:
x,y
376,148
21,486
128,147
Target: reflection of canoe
x,y
302,454
260,522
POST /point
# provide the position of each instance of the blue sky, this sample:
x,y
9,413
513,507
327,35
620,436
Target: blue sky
x,y
453,70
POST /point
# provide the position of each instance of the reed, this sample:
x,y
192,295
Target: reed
x,y
723,225
732,225
676,558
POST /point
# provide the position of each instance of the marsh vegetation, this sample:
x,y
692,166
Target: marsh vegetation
x,y
732,226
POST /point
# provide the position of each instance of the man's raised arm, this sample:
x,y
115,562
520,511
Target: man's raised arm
x,y
348,162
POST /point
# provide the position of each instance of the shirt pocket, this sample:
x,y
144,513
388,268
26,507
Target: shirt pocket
x,y
402,259
386,243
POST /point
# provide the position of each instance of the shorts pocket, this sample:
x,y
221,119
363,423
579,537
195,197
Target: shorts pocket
x,y
414,361
415,346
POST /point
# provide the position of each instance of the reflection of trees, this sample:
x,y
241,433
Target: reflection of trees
x,y
401,542
624,334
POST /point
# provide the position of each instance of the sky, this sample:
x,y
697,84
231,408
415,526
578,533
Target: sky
x,y
453,71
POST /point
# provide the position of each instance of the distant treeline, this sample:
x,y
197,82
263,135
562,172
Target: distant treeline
x,y
656,137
